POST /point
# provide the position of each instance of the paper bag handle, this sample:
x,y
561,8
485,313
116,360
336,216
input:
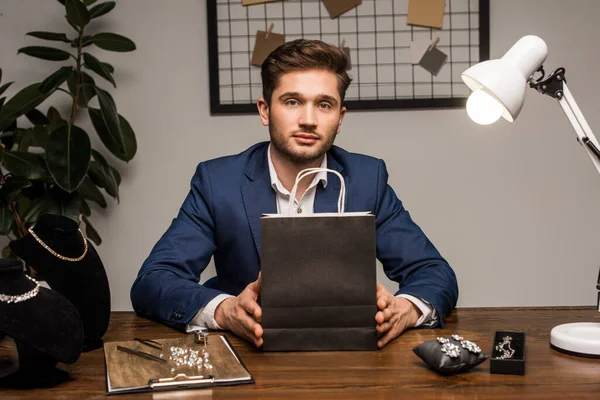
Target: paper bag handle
x,y
309,171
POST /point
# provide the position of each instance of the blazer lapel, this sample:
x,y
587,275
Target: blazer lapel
x,y
326,199
257,194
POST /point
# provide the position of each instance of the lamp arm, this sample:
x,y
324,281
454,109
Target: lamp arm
x,y
585,136
555,86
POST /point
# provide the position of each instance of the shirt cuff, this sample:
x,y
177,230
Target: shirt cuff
x,y
205,317
428,313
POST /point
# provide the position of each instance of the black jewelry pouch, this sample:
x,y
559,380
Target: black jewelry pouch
x,y
431,352
84,283
46,329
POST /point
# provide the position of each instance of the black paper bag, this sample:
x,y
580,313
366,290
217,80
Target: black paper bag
x,y
318,281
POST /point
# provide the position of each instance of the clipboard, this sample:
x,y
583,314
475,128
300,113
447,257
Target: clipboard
x,y
130,373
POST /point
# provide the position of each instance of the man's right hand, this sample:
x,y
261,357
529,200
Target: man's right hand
x,y
241,314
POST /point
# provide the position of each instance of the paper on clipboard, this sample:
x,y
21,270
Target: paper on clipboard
x,y
127,373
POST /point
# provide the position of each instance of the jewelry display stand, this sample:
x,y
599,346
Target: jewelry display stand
x,y
58,250
45,326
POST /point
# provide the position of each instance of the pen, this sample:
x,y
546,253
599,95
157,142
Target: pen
x,y
140,354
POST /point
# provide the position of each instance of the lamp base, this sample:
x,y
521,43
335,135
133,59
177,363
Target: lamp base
x,y
580,339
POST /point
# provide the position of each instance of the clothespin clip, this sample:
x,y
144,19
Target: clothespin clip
x,y
434,43
269,31
343,43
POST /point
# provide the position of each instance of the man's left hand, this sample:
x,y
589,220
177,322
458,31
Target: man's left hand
x,y
395,315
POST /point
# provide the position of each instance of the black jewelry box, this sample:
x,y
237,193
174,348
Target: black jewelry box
x,y
508,353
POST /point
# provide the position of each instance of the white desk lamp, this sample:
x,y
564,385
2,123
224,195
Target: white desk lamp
x,y
499,91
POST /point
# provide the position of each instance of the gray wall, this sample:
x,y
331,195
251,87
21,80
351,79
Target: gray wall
x,y
513,207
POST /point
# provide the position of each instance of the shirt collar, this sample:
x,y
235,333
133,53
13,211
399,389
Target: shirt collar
x,y
320,176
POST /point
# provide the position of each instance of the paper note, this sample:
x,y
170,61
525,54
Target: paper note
x,y
433,60
335,8
426,13
250,2
418,49
264,45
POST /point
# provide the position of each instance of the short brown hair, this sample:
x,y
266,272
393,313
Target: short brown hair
x,y
302,55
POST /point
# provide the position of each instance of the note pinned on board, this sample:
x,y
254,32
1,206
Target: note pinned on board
x,y
434,59
251,2
335,8
264,44
426,13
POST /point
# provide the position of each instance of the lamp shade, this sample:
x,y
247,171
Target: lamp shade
x,y
505,79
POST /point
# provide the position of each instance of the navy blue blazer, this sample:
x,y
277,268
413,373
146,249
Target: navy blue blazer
x,y
220,217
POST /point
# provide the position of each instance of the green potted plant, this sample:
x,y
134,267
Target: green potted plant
x,y
48,164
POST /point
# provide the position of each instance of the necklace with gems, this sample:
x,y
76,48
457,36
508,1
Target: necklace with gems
x,y
60,256
6,298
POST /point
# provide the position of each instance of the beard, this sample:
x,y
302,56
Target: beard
x,y
303,155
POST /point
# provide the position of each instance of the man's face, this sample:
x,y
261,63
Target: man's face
x,y
305,115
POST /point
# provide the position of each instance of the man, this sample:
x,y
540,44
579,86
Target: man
x,y
304,83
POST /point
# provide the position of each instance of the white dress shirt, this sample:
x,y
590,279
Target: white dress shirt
x,y
205,317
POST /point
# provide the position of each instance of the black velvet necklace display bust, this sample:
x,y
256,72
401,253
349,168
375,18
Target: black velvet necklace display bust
x,y
83,283
46,328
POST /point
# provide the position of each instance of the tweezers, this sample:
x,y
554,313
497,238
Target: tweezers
x,y
150,343
141,354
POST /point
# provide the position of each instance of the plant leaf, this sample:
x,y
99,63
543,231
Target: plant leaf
x,y
113,42
55,120
39,206
45,53
95,65
77,13
100,158
21,103
101,9
91,233
97,175
65,204
128,139
53,81
36,137
36,117
87,91
56,37
109,181
89,191
117,175
85,208
89,2
4,87
53,115
68,153
13,184
109,67
2,102
110,117
6,219
29,165
111,141
7,137
109,138
61,2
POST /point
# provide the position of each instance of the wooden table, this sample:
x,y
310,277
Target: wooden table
x,y
392,373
